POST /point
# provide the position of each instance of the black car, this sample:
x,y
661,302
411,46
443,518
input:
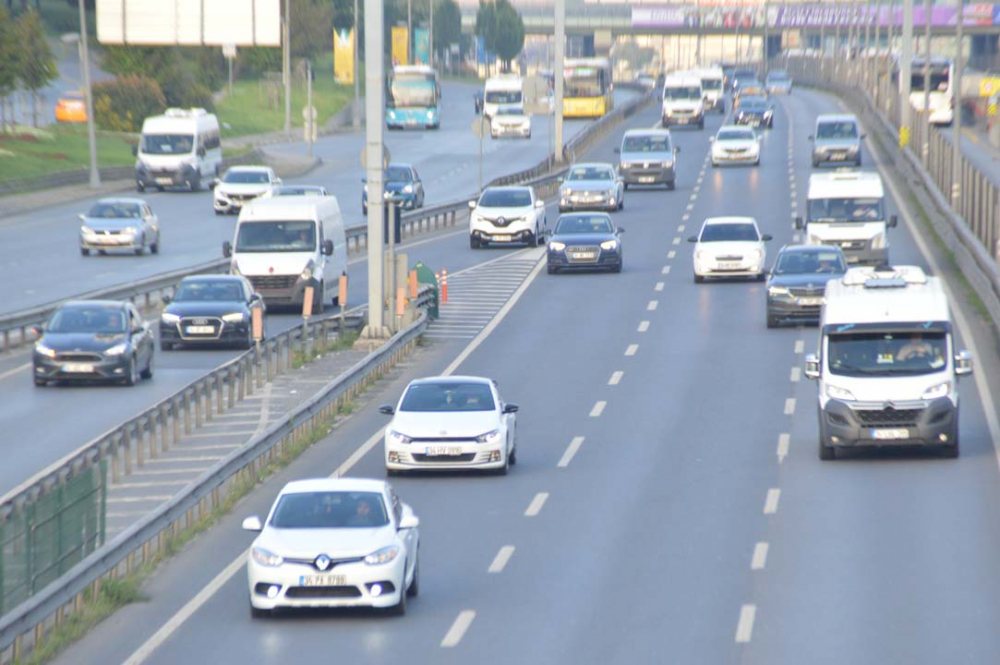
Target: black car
x,y
94,340
210,310
585,241
797,283
755,112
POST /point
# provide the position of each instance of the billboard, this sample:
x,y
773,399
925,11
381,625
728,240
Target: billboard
x,y
400,45
189,22
421,46
343,56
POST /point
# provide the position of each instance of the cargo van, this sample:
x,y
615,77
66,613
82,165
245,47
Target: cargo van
x,y
503,89
284,244
181,148
683,101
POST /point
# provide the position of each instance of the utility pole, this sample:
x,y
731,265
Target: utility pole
x,y
697,48
956,122
409,31
765,51
905,69
356,113
430,35
95,173
558,74
286,66
310,118
374,104
868,39
878,48
836,39
925,148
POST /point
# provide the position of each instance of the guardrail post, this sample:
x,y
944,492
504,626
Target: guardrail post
x,y
206,394
115,461
127,449
231,379
140,452
6,341
268,370
258,374
175,421
164,422
240,381
219,408
151,419
187,411
198,421
277,360
248,368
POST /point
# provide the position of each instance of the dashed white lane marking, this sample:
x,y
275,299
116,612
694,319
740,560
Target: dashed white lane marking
x,y
677,241
665,270
632,348
784,440
501,559
680,229
789,406
671,254
797,238
685,217
571,450
457,630
796,375
759,559
643,326
616,378
744,628
653,304
659,285
690,207
800,346
598,409
536,504
771,502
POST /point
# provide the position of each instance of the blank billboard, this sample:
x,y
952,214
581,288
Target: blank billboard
x,y
189,22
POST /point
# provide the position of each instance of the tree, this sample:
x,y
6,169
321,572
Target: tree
x,y
8,63
486,20
447,24
509,38
311,28
36,65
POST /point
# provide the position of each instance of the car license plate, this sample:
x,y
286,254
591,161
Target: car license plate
x,y
199,330
164,181
646,179
442,451
837,157
583,256
890,434
729,265
500,239
810,302
78,368
322,580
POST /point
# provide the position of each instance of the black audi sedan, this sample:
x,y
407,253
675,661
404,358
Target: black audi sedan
x,y
797,283
585,240
755,112
94,340
210,310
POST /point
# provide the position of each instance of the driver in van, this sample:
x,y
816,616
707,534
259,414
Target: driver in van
x,y
917,347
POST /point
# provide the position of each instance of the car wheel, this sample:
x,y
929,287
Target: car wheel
x,y
248,342
132,377
195,184
414,589
159,188
502,471
715,164
701,124
84,251
859,162
698,279
218,212
672,185
552,270
399,609
41,383
512,458
474,242
166,346
757,163
625,185
827,453
950,451
617,267
102,252
772,321
139,187
141,249
761,277
815,163
154,248
532,240
148,372
539,238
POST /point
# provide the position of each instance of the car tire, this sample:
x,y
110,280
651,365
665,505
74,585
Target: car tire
x,y
218,212
552,270
532,240
539,238
399,609
757,163
625,185
195,184
166,346
154,248
858,164
672,185
414,589
256,613
141,249
248,342
102,252
698,279
701,124
827,453
40,383
761,277
159,188
505,469
512,458
148,372
715,164
84,251
815,163
474,242
617,267
772,321
133,373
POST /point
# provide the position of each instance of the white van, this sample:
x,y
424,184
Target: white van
x,y
284,244
181,148
683,101
503,89
886,366
847,209
712,88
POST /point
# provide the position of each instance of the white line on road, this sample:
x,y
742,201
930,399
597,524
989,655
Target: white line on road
x,y
690,207
16,370
784,440
652,305
677,241
789,406
632,348
571,451
536,504
680,229
685,217
598,409
744,629
800,346
501,559
796,375
771,502
643,326
665,270
659,285
616,378
671,254
457,630
759,559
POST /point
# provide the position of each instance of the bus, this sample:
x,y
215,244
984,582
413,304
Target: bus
x,y
942,98
588,88
412,98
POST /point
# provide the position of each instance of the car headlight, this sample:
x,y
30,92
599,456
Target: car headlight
x,y
384,555
567,191
408,189
307,272
839,393
667,164
778,291
233,317
44,350
767,114
852,148
701,255
878,242
366,189
167,317
266,558
609,193
609,245
557,246
129,231
87,230
430,115
399,436
489,436
116,350
623,166
392,114
940,390
755,254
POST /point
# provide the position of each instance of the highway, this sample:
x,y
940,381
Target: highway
x,y
668,505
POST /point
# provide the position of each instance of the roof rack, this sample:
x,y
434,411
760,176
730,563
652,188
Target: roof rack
x,y
884,276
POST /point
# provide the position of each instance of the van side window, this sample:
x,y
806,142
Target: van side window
x,y
211,139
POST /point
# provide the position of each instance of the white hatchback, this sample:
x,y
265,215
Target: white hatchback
x,y
451,422
735,144
729,247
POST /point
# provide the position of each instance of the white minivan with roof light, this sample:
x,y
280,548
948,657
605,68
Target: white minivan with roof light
x,y
847,209
683,101
285,244
886,366
181,148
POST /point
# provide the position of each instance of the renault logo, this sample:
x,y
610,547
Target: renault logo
x,y
501,221
322,562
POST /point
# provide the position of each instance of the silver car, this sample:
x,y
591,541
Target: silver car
x,y
593,186
837,140
127,224
648,157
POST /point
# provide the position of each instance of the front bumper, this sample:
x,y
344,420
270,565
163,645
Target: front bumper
x,y
222,332
282,289
942,116
449,455
839,156
581,202
353,590
856,425
403,200
102,241
500,131
96,367
714,268
513,232
753,120
654,174
741,157
793,308
717,104
675,119
166,177
572,257
223,202
858,251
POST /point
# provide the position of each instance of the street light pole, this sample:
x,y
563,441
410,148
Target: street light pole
x,y
287,66
558,74
356,111
95,173
905,73
925,148
409,31
956,121
430,36
374,156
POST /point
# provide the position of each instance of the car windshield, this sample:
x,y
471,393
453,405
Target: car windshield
x,y
736,135
208,291
837,130
584,224
685,92
247,177
398,174
590,173
887,353
503,96
845,210
729,233
448,396
115,210
809,263
330,510
97,320
505,198
167,144
646,143
276,237
711,84
753,105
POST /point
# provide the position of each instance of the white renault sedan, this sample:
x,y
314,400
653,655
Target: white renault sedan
x,y
505,215
735,144
451,422
729,247
334,542
240,185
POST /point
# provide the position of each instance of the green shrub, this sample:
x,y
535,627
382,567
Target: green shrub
x,y
123,103
257,60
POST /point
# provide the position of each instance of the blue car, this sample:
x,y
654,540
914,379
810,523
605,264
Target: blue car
x,y
585,241
401,185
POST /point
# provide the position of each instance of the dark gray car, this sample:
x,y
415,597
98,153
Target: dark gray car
x,y
648,157
837,140
796,285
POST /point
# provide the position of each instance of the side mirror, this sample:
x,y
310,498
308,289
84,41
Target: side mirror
x,y
256,297
135,150
252,523
539,203
201,152
864,136
812,366
677,149
810,137
213,183
472,205
618,151
277,181
799,225
83,218
711,139
138,330
963,363
227,249
510,408
387,409
166,298
767,237
408,520
693,239
619,230
38,330
328,247
893,221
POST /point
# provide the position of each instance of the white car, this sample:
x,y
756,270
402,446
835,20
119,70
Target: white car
x,y
735,144
242,184
729,247
510,120
451,422
334,542
507,215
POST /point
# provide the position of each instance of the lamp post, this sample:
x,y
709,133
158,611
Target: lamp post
x,y
81,41
925,147
356,114
286,66
560,19
956,121
905,70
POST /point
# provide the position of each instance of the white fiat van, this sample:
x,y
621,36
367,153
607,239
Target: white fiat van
x,y
181,148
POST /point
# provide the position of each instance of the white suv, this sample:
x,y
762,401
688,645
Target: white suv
x,y
242,184
729,247
507,215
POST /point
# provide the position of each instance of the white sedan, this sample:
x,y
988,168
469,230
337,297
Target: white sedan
x,y
240,185
510,120
735,144
451,422
334,542
507,215
729,247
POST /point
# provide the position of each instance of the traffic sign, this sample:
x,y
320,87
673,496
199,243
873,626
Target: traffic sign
x,y
480,127
229,51
309,132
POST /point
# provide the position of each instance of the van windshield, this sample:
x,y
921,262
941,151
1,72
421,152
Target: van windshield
x,y
837,130
276,237
887,353
845,210
711,84
167,144
648,143
689,92
503,96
